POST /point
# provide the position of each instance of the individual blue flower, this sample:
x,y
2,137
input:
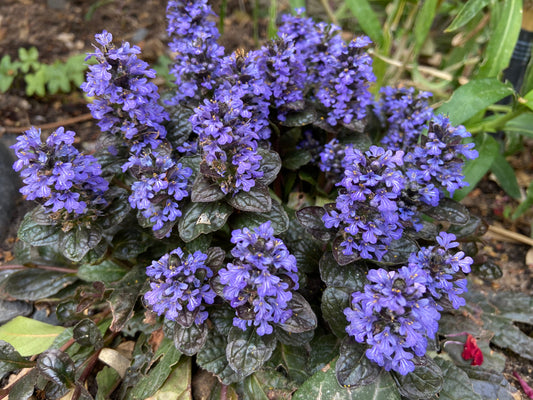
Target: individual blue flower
x,y
125,103
179,287
259,281
393,317
445,269
57,175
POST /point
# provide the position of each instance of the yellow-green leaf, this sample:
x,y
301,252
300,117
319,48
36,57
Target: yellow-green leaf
x,y
29,336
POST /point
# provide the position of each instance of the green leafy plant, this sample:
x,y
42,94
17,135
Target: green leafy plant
x,y
41,79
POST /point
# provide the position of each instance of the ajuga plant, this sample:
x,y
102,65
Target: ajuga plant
x,y
264,218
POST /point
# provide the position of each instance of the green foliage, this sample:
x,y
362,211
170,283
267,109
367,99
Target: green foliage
x,y
41,79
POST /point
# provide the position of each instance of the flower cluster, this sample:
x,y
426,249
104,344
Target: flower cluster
x,y
56,173
284,73
179,287
331,159
366,206
126,102
444,269
404,116
194,41
259,281
438,159
344,90
230,125
394,317
161,183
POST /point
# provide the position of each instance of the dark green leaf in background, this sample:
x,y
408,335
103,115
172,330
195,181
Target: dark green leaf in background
x,y
86,333
277,216
423,23
353,368
212,358
35,283
202,218
450,211
189,340
37,234
351,276
456,385
300,118
294,361
334,301
11,360
270,165
424,382
256,200
205,191
57,367
79,240
324,386
107,272
303,318
125,295
311,219
247,351
490,385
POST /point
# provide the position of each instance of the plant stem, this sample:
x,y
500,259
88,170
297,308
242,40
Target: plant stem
x,y
497,123
45,267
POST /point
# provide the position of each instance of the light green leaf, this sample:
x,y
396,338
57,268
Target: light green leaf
x,y
474,97
506,176
35,83
168,356
323,386
469,10
503,39
106,272
178,384
106,380
367,19
488,148
522,125
423,23
29,336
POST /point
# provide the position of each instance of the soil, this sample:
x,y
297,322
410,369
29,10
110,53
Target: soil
x,y
69,29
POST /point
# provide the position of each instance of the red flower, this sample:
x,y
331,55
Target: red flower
x,y
471,351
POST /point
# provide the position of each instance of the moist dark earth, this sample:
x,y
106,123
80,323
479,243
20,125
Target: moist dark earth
x,y
62,28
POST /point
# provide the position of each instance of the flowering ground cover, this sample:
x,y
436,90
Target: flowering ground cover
x,y
274,222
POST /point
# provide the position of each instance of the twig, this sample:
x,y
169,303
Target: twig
x,y
51,125
46,267
428,70
329,11
517,237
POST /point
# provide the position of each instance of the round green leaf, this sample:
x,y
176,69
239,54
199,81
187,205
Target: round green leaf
x,y
353,368
202,218
303,318
189,340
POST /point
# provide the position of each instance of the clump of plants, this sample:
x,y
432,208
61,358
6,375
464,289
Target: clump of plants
x,y
268,223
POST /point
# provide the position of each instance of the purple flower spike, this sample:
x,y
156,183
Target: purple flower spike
x,y
259,281
393,317
179,286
